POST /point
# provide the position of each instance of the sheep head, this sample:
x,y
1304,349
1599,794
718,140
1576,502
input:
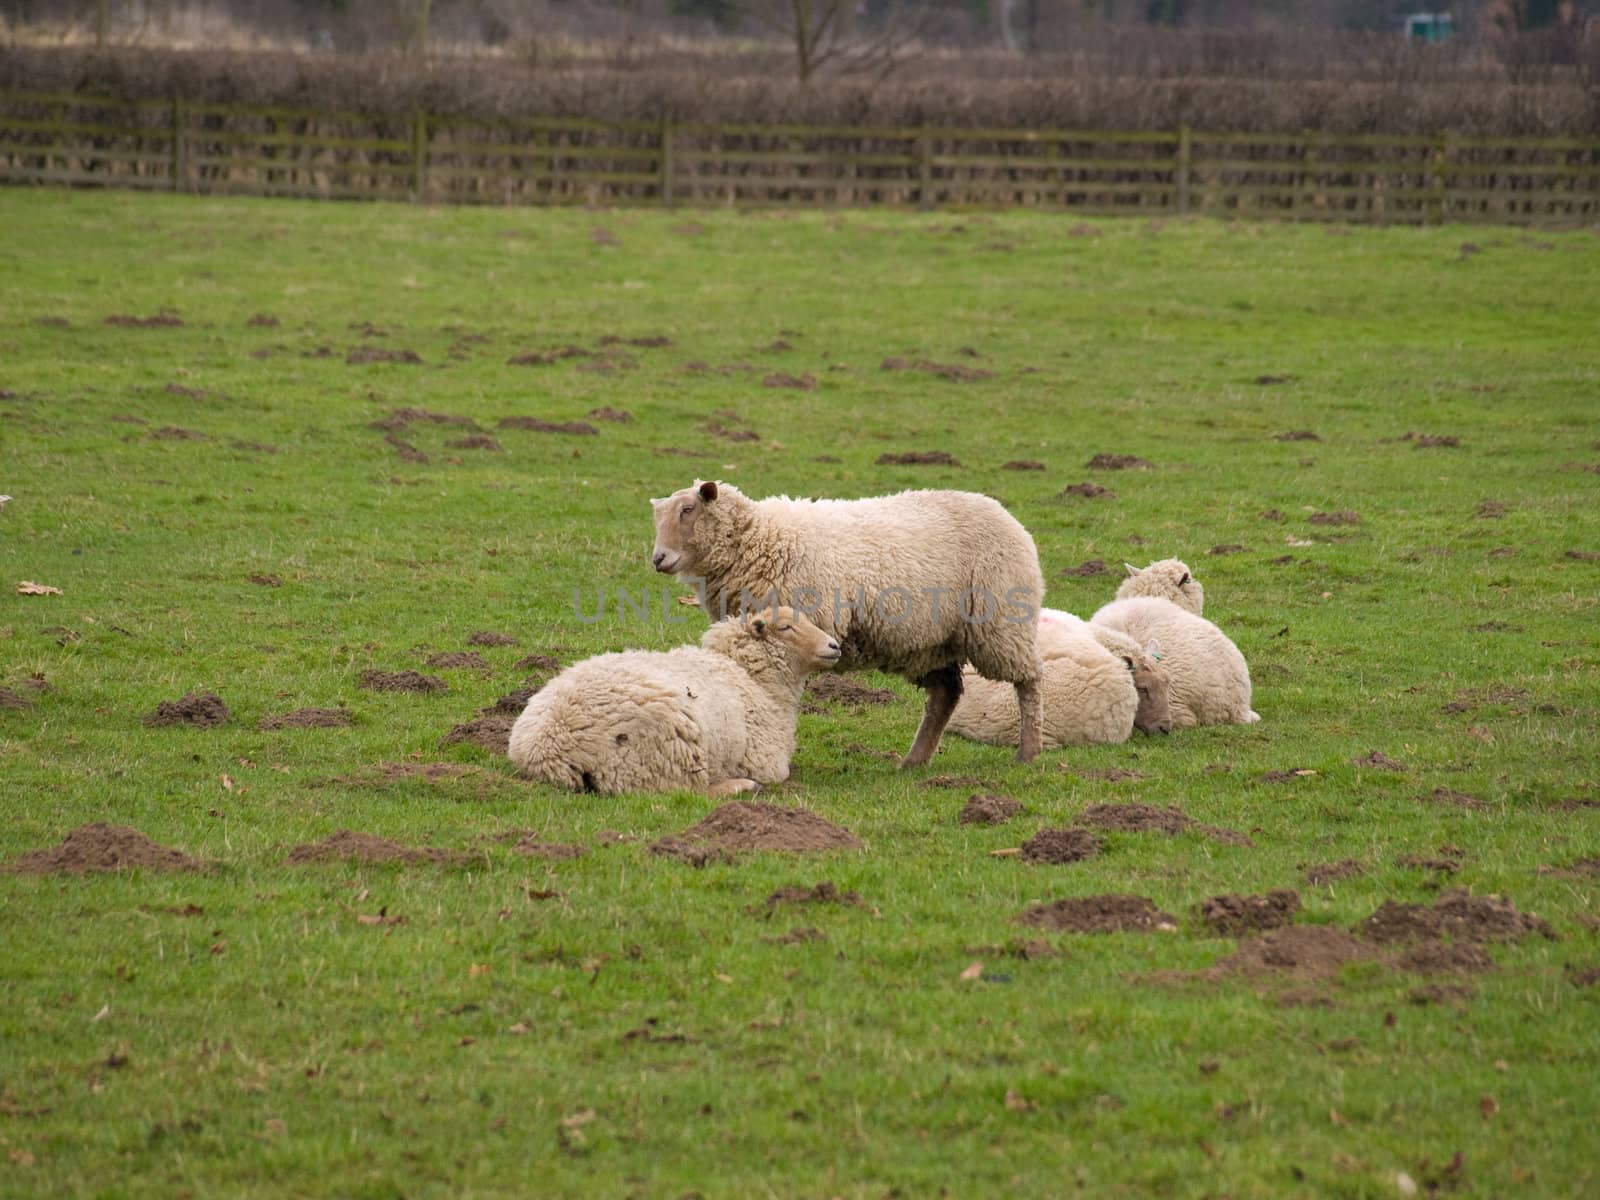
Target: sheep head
x,y
1168,579
686,525
1150,681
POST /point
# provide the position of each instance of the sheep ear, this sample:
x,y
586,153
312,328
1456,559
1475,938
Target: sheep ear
x,y
1184,580
1153,649
1132,570
758,626
1128,658
708,491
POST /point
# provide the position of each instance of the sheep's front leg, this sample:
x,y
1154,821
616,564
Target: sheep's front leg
x,y
944,692
1030,705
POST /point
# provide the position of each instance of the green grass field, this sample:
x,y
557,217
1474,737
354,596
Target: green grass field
x,y
621,1024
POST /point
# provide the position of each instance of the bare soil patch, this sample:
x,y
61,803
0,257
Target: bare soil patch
x,y
952,781
1227,548
1108,774
1584,555
782,379
101,846
1583,976
1089,491
825,689
954,372
537,662
1313,950
745,825
527,843
163,320
1495,627
203,709
982,809
1099,914
1285,776
543,358
1058,846
729,434
262,321
1377,760
347,845
1296,435
1458,915
1086,570
1491,509
1119,462
825,892
400,418
476,441
1444,958
52,322
177,433
607,413
10,699
919,458
577,428
405,449
401,681
381,354
488,637
1578,868
1146,818
650,341
1343,516
1442,993
489,729
1233,914
307,718
1022,464
1272,514
1427,441
459,660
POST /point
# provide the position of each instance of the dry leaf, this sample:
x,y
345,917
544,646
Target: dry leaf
x,y
381,917
227,781
690,601
1008,852
582,1117
1018,1103
19,1156
1488,1106
4,500
468,1040
105,1011
972,972
276,1128
721,978
220,946
29,588
1336,1117
519,1028
1406,1184
365,892
477,969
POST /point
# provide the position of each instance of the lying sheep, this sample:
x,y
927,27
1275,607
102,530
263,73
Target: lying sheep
x,y
1209,682
1168,579
718,717
916,583
1091,695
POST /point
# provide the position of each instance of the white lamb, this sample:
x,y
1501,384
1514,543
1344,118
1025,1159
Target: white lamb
x,y
916,583
718,717
1169,579
1209,679
1091,695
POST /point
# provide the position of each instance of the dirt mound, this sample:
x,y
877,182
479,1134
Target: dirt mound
x,y
177,433
1444,795
377,354
1378,761
402,681
1146,818
405,449
989,810
1089,491
1490,510
527,843
748,825
204,709
1099,914
1119,462
580,428
823,893
399,418
1288,775
1426,440
349,846
1343,516
1442,993
1022,464
103,847
159,321
1296,435
919,458
1458,915
1056,846
951,371
537,662
606,413
1234,914
1441,958
782,379
306,718
952,781
459,659
10,699
1318,950
475,441
262,579
490,729
487,637
1111,774
1578,868
822,690
1086,570
1228,548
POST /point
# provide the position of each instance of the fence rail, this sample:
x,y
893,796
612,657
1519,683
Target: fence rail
x,y
175,145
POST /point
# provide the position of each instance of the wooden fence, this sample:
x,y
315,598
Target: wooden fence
x,y
175,145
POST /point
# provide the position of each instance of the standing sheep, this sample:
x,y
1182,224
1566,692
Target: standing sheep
x,y
718,717
916,583
1210,681
1168,579
1091,695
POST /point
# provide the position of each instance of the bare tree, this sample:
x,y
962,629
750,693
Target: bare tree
x,y
839,35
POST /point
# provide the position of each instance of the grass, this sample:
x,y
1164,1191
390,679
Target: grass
x,y
274,1044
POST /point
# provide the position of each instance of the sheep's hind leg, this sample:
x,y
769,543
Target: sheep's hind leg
x,y
732,787
1030,705
944,692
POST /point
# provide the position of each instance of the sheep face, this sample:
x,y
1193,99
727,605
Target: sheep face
x,y
1150,681
1168,579
677,552
808,648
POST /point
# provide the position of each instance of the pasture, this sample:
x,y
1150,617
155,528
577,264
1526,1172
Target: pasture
x,y
261,448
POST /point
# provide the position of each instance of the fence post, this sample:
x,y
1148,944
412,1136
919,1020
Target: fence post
x,y
1185,153
419,155
666,162
924,171
180,168
1441,150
